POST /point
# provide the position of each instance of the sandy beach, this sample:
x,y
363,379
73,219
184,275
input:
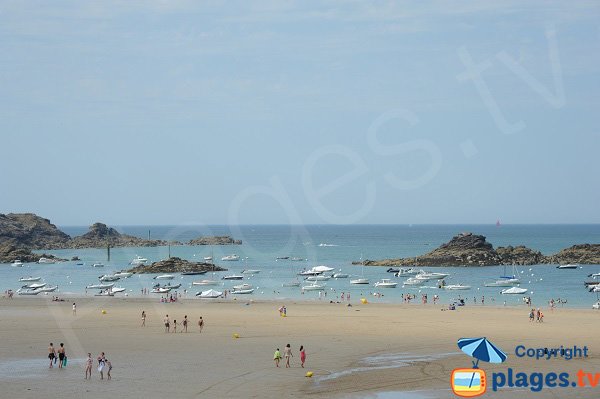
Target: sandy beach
x,y
360,351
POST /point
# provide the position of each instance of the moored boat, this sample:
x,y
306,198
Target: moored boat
x,y
514,290
313,287
568,266
248,291
230,258
17,263
205,282
455,287
46,260
164,277
102,286
232,277
29,279
386,283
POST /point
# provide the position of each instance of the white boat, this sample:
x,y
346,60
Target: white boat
x,y
313,287
164,277
309,273
404,272
108,278
205,282
98,265
596,305
340,275
233,277
457,287
297,259
318,278
29,279
210,294
514,290
413,281
17,263
160,290
242,287
322,269
123,274
594,275
34,286
138,260
27,292
248,291
116,290
47,289
568,266
386,283
504,282
230,258
360,281
105,293
250,271
102,286
46,260
291,284
208,258
171,287
425,276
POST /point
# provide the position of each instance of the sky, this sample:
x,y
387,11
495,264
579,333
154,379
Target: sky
x,y
300,112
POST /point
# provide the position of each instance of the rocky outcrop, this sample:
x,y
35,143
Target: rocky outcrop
x,y
587,254
26,230
100,235
10,253
468,249
176,265
215,240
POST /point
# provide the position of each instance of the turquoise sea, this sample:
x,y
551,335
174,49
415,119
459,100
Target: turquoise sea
x,y
334,246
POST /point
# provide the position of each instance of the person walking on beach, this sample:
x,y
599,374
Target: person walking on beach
x,y
531,315
184,324
101,364
61,355
109,365
302,356
143,318
287,353
277,357
167,324
200,324
74,309
51,354
88,366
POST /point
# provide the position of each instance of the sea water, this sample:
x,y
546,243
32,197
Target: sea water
x,y
334,246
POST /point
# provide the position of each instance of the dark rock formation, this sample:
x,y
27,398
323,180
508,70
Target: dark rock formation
x,y
587,254
468,249
10,253
176,265
216,240
27,230
100,235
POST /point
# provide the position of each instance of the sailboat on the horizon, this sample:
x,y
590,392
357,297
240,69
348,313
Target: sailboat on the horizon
x,y
498,223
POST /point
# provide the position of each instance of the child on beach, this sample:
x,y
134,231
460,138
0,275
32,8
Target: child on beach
x,y
287,352
174,326
88,366
185,324
302,356
109,365
531,315
277,357
101,364
200,324
51,354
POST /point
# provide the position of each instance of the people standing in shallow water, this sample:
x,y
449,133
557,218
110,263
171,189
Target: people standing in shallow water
x,y
287,353
88,366
61,355
51,354
302,356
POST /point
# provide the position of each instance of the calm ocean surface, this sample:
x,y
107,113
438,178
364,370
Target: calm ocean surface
x,y
335,246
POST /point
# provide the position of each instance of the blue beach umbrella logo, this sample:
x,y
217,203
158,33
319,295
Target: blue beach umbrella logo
x,y
470,382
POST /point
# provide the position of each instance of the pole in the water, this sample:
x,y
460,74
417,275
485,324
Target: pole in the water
x,y
169,251
108,252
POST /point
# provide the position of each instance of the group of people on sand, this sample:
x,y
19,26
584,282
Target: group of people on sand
x,y
287,354
536,315
171,326
103,364
57,355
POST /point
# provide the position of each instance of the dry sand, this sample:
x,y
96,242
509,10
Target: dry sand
x,y
151,364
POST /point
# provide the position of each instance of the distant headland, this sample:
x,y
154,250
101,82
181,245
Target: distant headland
x,y
467,249
21,233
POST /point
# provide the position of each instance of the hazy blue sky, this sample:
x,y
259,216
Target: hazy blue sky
x,y
172,112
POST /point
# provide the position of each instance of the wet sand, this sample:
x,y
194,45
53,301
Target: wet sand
x,y
360,351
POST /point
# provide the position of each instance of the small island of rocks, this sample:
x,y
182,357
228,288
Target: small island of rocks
x,y
176,265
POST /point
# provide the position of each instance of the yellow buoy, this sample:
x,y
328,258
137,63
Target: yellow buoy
x,y
363,300
309,374
103,311
236,335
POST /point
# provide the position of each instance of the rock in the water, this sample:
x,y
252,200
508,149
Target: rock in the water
x,y
215,240
176,265
100,235
10,253
587,254
27,230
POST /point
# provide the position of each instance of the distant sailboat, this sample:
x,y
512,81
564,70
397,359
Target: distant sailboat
x,y
498,223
